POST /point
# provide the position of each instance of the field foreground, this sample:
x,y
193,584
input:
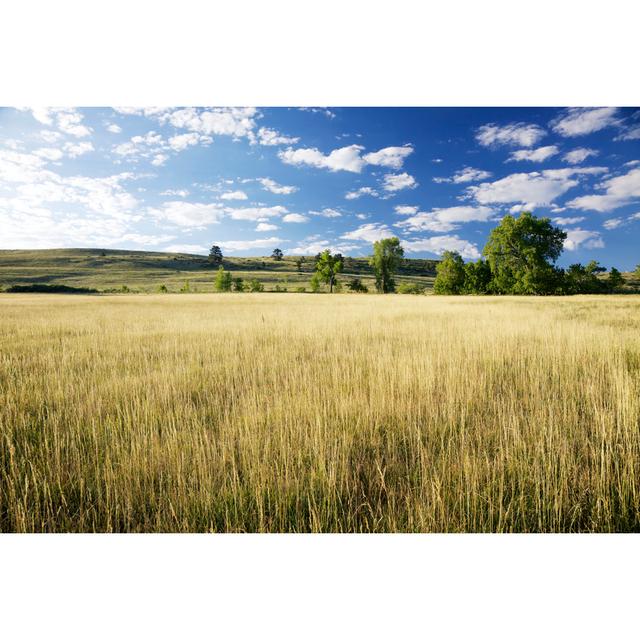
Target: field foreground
x,y
263,412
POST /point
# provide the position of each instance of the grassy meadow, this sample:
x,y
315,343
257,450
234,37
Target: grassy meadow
x,y
302,413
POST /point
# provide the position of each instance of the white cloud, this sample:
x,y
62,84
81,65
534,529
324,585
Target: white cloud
x,y
313,247
50,136
256,214
362,191
183,140
67,120
182,193
468,174
398,181
191,215
145,239
159,159
632,133
222,121
343,159
361,216
326,213
404,210
244,245
578,237
49,153
579,155
326,112
196,249
234,195
515,134
392,157
369,232
535,155
144,146
114,128
265,226
440,244
446,219
579,121
535,188
619,191
346,158
75,149
270,137
295,217
566,221
271,185
612,223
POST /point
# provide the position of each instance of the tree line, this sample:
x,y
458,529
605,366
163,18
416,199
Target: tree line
x,y
518,259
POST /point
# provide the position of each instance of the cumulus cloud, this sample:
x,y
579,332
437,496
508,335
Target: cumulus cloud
x,y
404,210
567,221
535,188
295,217
266,226
196,249
270,137
221,121
114,128
181,193
234,195
397,181
468,174
362,191
326,213
582,237
191,215
579,121
346,158
75,149
271,185
631,133
619,191
439,244
535,155
579,155
370,232
313,246
613,223
256,214
516,134
183,140
49,153
445,219
67,120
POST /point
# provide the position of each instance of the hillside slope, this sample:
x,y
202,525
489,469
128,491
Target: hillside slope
x,y
145,271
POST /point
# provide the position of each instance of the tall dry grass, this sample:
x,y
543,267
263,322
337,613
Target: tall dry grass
x,y
243,412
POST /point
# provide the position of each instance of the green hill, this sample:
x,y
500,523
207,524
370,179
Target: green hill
x,y
145,271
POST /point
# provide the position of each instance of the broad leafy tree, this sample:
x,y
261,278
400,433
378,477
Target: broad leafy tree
x,y
521,252
328,267
477,277
387,257
215,255
615,280
583,279
450,274
277,254
223,280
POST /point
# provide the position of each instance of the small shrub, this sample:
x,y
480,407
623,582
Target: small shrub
x,y
355,285
125,289
256,286
238,284
163,289
186,287
411,288
301,289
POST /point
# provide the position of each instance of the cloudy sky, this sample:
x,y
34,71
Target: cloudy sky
x,y
304,179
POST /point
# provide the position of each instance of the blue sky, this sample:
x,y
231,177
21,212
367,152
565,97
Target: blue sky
x,y
305,179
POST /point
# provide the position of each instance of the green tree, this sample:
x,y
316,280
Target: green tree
x,y
355,285
583,279
215,255
450,274
637,271
299,263
521,252
277,254
223,280
477,277
387,257
314,285
615,280
238,284
411,287
328,267
255,286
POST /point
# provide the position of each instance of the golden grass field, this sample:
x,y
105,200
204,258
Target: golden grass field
x,y
303,413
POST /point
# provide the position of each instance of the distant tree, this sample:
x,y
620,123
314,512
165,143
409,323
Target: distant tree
x,y
521,252
477,277
636,273
584,279
223,280
215,255
615,280
355,285
277,254
328,267
163,289
238,284
256,286
299,263
450,274
314,285
387,257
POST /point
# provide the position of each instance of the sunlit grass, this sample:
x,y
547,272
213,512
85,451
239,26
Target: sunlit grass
x,y
267,412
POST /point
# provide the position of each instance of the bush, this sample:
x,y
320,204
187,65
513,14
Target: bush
x,y
238,284
163,289
355,285
125,289
315,283
48,288
185,288
256,286
301,289
223,280
412,288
